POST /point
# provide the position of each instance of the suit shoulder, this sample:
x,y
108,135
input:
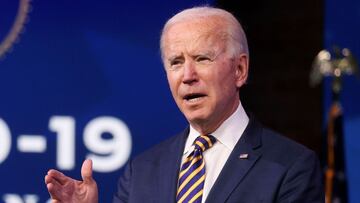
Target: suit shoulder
x,y
281,149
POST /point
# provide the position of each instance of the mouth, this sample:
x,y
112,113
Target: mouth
x,y
194,97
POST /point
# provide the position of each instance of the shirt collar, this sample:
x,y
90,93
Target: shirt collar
x,y
228,133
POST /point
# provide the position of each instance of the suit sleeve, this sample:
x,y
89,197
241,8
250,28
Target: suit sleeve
x,y
303,181
123,186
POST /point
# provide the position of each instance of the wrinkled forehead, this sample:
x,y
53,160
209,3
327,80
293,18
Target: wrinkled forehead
x,y
194,35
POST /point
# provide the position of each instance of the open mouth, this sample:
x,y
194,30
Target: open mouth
x,y
194,97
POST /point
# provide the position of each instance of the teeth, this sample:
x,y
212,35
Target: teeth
x,y
194,99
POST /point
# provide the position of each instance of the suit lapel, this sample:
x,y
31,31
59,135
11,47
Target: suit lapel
x,y
169,168
242,158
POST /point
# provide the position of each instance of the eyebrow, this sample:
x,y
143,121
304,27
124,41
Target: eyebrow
x,y
209,53
213,54
171,58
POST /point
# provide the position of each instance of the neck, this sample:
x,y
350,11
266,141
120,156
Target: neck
x,y
208,126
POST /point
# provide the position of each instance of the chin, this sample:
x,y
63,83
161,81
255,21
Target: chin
x,y
196,117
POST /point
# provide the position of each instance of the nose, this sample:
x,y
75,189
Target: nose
x,y
190,74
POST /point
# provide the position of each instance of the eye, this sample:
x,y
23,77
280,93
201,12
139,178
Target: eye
x,y
175,62
203,59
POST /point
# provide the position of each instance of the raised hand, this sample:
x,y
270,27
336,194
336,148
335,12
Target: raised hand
x,y
64,189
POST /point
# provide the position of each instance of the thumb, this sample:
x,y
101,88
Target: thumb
x,y
86,171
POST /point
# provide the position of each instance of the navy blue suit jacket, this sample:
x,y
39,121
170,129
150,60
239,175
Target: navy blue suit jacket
x,y
276,170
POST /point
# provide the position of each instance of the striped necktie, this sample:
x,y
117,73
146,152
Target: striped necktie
x,y
192,173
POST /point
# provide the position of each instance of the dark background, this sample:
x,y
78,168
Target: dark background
x,y
284,37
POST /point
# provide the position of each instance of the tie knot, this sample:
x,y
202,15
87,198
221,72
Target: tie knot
x,y
204,142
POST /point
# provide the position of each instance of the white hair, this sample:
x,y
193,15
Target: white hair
x,y
234,33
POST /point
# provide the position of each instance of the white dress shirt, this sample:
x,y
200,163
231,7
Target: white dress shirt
x,y
227,135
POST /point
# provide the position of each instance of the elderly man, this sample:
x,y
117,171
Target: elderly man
x,y
223,156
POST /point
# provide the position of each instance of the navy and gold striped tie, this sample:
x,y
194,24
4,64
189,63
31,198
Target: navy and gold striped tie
x,y
192,173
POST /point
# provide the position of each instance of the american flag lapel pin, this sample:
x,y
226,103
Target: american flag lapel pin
x,y
244,156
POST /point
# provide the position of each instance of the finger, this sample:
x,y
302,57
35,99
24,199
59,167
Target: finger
x,y
86,171
58,176
49,179
54,189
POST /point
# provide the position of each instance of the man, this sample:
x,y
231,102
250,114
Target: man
x,y
223,156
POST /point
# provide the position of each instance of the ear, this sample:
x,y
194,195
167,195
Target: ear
x,y
242,69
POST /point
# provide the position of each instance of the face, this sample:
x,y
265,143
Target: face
x,y
204,78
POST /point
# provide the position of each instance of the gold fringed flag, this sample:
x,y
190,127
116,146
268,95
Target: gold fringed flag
x,y
342,62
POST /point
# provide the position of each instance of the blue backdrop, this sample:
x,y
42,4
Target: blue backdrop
x,y
342,28
79,71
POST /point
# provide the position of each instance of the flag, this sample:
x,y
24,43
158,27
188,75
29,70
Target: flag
x,y
335,168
